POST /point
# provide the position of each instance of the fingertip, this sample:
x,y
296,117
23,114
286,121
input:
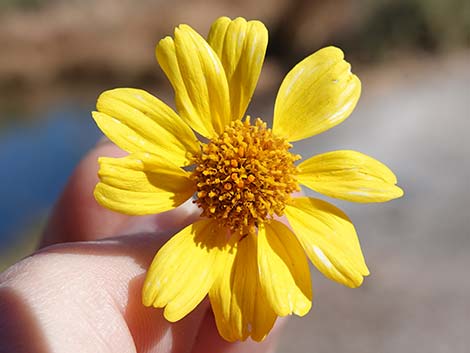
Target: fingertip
x,y
77,216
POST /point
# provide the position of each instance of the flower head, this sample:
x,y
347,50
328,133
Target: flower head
x,y
252,266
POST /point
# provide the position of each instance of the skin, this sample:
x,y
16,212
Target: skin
x,y
81,291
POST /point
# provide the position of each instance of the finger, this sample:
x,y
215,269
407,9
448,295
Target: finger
x,y
86,297
76,215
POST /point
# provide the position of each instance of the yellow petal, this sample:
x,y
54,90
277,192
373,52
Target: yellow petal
x,y
142,183
136,121
227,316
199,81
349,175
241,47
329,239
264,316
238,302
283,268
317,94
184,269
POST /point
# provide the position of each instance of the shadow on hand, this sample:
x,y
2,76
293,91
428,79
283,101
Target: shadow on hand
x,y
20,331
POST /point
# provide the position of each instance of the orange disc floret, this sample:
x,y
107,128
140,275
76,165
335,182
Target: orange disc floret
x,y
245,176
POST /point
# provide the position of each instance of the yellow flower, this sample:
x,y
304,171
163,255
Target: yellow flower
x,y
252,266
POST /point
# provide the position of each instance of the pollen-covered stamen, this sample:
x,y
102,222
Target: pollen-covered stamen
x,y
244,176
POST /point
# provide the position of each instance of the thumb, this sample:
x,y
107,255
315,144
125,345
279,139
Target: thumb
x,y
86,297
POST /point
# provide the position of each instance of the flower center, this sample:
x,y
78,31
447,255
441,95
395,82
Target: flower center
x,y
244,176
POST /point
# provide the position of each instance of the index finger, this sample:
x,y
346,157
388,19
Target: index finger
x,y
76,215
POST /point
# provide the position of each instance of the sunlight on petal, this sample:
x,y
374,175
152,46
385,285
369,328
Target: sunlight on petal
x,y
317,94
329,239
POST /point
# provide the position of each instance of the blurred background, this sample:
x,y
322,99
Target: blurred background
x,y
413,58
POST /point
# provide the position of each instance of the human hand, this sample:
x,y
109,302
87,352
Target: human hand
x,y
81,291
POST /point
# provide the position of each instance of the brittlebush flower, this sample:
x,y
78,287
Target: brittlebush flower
x,y
242,176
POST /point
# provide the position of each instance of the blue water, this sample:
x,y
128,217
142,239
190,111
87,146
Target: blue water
x,y
36,160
